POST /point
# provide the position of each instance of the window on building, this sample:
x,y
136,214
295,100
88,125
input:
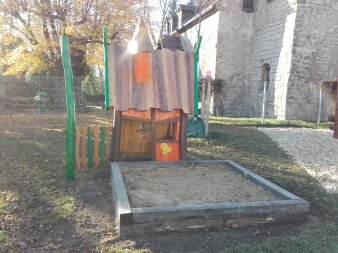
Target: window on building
x,y
248,6
266,73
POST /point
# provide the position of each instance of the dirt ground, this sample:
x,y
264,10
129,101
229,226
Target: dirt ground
x,y
192,185
40,211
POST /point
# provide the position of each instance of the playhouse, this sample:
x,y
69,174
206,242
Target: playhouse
x,y
152,92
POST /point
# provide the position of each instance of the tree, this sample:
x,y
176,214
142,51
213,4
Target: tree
x,y
31,32
155,13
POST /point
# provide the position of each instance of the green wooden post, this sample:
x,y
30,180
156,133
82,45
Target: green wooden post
x,y
103,145
106,78
69,85
196,59
90,148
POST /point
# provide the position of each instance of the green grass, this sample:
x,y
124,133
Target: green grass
x,y
255,150
8,202
65,207
257,122
5,243
319,240
34,194
120,250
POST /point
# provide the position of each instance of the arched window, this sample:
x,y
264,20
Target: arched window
x,y
266,73
248,6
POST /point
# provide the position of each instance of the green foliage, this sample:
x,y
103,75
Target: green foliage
x,y
30,32
92,85
40,97
5,243
65,207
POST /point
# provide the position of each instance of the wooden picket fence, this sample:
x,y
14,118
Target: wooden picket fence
x,y
92,146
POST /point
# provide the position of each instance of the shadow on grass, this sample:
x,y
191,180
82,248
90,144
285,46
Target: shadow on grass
x,y
256,151
49,213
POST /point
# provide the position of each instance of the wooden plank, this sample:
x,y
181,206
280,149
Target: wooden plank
x,y
164,82
136,118
84,148
167,121
156,75
135,136
183,135
108,143
181,68
77,148
226,211
153,135
120,197
103,133
96,147
137,114
116,136
112,74
172,88
124,84
90,148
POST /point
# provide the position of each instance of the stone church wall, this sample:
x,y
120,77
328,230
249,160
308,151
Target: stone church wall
x,y
271,43
315,58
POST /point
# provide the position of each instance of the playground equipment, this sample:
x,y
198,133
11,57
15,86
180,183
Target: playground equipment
x,y
151,92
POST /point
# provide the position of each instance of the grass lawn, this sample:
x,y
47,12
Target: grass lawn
x,y
41,212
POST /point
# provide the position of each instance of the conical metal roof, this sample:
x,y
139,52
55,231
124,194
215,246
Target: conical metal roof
x,y
141,38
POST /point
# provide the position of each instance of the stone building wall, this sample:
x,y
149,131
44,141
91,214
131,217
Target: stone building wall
x,y
297,38
315,58
208,49
271,43
233,51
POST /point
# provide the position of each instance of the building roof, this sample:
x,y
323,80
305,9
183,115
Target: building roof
x,y
141,38
187,7
170,87
171,42
211,8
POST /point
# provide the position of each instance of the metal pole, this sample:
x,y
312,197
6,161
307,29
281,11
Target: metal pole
x,y
106,71
207,106
320,102
70,130
263,108
203,100
196,56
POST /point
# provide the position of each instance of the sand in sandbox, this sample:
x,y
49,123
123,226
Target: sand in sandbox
x,y
190,186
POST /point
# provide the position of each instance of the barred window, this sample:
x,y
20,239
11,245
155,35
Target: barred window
x,y
248,6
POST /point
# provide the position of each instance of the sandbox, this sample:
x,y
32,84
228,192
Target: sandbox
x,y
177,195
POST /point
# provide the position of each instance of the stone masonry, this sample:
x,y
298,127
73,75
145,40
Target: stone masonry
x,y
297,39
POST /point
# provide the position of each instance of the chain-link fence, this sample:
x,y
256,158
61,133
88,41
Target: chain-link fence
x,y
39,94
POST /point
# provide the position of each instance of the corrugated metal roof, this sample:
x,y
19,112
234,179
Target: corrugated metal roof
x,y
171,87
171,42
188,7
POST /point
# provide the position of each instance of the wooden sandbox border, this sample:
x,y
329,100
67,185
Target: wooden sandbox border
x,y
127,217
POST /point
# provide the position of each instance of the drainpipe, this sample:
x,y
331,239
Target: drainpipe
x,y
264,101
320,102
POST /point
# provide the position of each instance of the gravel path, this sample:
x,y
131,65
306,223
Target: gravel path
x,y
314,150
